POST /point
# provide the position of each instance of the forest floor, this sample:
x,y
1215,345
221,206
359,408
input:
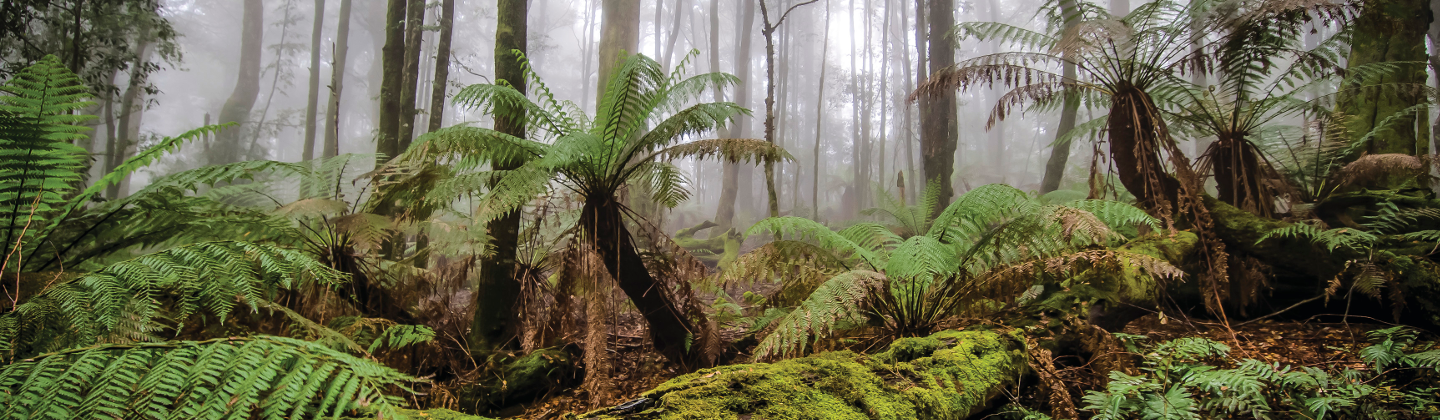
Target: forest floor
x,y
1330,345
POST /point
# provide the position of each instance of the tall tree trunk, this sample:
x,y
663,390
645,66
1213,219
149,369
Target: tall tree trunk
x,y
274,83
680,12
820,117
588,53
885,95
619,32
768,30
852,204
1389,31
907,116
129,115
247,85
938,112
392,58
414,20
442,66
731,175
313,96
1061,150
337,82
495,322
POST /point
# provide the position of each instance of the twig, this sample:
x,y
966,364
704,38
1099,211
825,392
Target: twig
x,y
1283,310
34,205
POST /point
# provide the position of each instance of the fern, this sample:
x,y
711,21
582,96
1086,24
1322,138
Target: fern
x,y
257,377
137,299
838,299
39,166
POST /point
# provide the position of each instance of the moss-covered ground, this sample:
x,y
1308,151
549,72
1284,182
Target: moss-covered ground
x,y
948,375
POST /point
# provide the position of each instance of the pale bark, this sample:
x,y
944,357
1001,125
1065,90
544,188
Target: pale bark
x,y
337,82
247,85
410,76
307,151
442,66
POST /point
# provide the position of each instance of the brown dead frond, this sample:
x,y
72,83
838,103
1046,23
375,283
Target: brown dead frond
x,y
1025,95
1373,167
1007,69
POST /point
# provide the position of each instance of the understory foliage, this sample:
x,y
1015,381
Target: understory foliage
x,y
99,287
979,254
1196,378
256,377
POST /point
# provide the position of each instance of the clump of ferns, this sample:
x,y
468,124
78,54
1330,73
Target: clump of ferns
x,y
1391,254
980,253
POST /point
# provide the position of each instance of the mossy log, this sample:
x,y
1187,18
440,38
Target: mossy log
x,y
519,381
949,375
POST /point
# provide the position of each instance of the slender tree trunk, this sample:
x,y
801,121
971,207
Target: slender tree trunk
x,y
680,12
313,96
768,30
337,82
274,83
588,53
495,322
731,175
414,20
884,94
247,85
392,57
129,115
442,66
938,113
820,118
906,116
1061,150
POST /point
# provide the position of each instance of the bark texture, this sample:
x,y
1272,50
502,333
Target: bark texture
x,y
938,112
337,82
495,316
227,146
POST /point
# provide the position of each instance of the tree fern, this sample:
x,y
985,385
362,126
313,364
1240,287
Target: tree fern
x,y
40,168
838,299
141,298
257,377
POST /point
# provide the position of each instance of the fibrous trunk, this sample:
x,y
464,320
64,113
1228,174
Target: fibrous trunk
x,y
1135,148
670,330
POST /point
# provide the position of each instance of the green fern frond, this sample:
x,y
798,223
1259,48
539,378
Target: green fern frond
x,y
139,298
802,228
1117,214
40,166
842,298
258,377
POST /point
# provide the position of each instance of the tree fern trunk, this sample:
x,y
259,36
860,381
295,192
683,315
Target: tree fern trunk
x,y
670,330
1132,127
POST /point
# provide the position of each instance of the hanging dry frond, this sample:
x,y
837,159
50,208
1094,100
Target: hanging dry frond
x,y
1373,167
731,150
1007,69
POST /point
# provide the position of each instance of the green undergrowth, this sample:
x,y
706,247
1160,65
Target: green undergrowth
x,y
948,375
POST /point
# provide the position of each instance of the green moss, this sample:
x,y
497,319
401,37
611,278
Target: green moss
x,y
949,375
519,380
